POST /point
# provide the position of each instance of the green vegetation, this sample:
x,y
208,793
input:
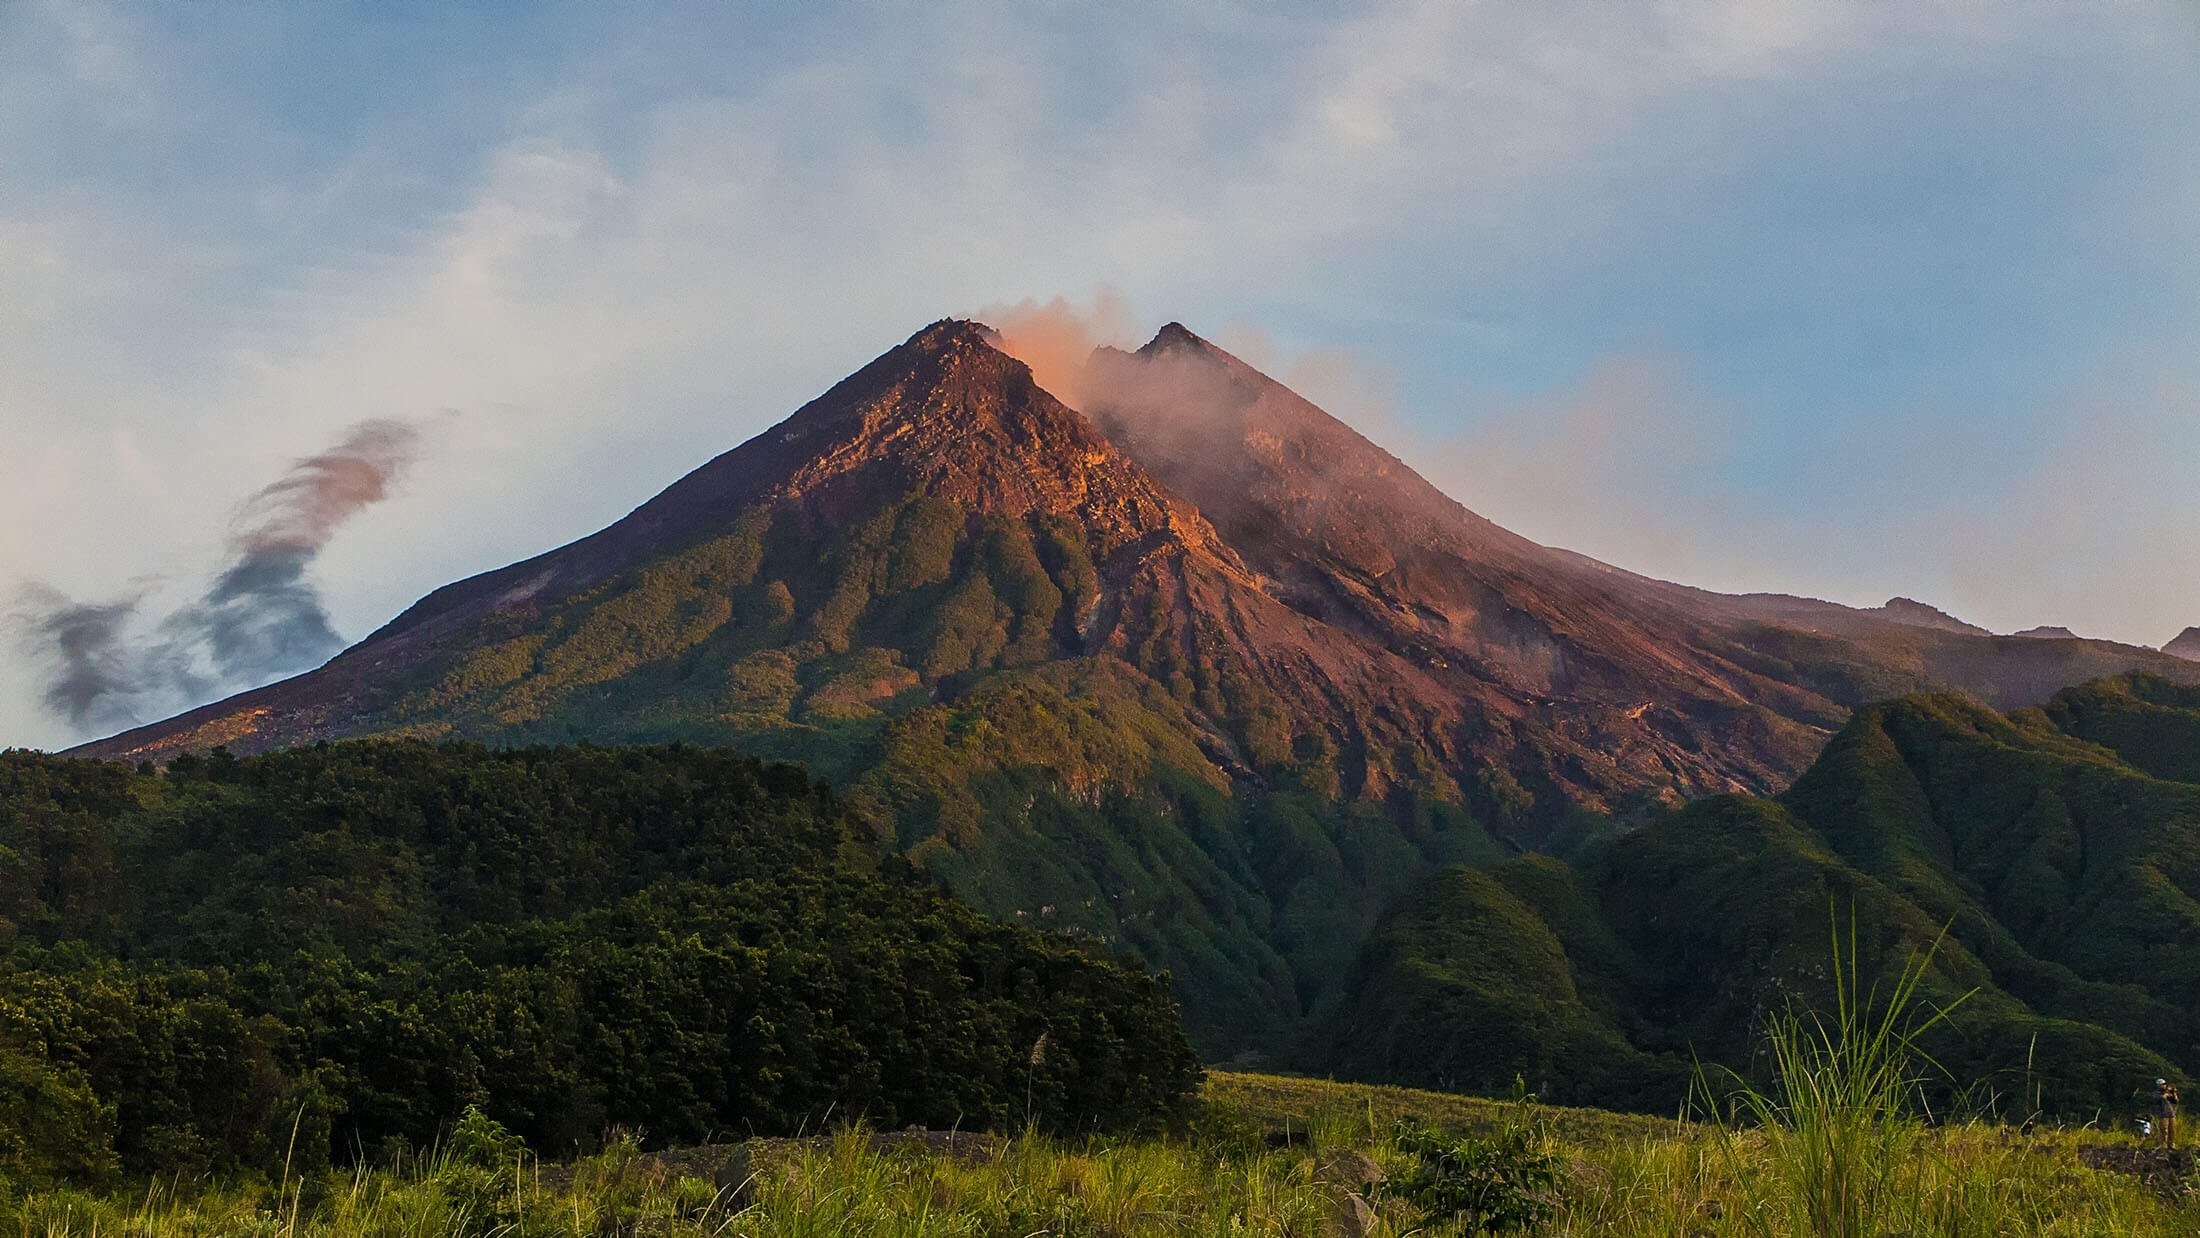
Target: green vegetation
x,y
357,941
2059,848
314,956
1480,1183
1304,1157
1835,1144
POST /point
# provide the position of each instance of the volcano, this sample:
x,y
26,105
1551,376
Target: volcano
x,y
1195,671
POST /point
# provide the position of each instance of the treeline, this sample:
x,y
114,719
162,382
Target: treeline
x,y
309,956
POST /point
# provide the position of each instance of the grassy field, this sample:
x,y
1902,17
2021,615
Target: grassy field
x,y
1271,1156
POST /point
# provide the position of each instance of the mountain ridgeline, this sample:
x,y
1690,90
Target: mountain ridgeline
x,y
1193,671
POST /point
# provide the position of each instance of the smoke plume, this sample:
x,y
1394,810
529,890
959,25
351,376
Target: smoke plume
x,y
262,617
259,618
1057,339
83,645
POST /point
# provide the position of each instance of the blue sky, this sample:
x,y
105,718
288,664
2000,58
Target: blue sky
x,y
1848,300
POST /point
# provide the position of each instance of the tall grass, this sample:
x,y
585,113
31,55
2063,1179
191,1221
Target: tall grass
x,y
1835,1144
1968,1180
1823,1149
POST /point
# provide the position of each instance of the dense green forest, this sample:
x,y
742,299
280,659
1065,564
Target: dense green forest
x,y
2059,848
306,956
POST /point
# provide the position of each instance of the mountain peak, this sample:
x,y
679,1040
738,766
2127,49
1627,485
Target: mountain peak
x,y
2187,645
951,333
1918,614
1046,662
1264,462
1175,335
949,414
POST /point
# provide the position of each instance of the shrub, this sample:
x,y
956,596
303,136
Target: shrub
x,y
1493,1184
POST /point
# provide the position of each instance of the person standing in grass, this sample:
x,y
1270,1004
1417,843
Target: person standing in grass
x,y
2165,1110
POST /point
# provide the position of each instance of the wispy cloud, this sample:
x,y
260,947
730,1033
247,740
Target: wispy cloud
x,y
645,243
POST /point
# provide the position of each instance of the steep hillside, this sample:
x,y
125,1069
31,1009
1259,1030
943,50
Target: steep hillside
x,y
2060,847
1207,677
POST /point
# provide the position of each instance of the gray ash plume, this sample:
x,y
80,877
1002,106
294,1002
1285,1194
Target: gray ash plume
x,y
259,618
